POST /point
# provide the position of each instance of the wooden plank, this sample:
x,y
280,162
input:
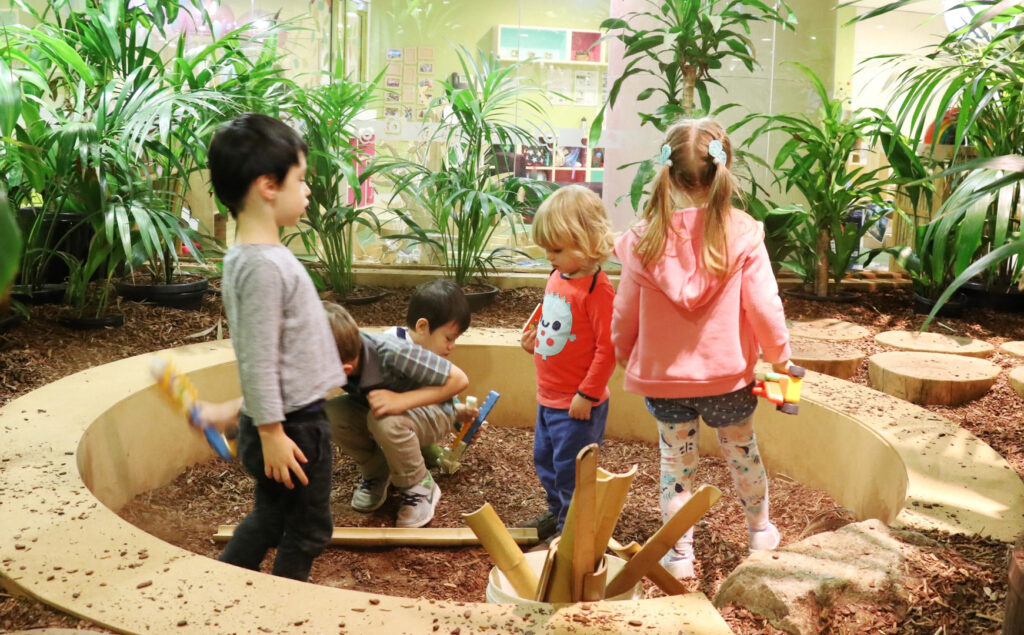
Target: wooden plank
x,y
401,536
664,539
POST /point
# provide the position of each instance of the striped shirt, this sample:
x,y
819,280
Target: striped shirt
x,y
397,365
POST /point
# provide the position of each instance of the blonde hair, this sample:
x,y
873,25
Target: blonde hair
x,y
692,170
574,218
345,331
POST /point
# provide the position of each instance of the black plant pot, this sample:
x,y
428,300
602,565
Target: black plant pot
x,y
177,295
844,296
953,308
9,321
478,299
44,294
90,323
363,295
1006,301
70,235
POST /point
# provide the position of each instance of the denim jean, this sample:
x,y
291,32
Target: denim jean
x,y
296,521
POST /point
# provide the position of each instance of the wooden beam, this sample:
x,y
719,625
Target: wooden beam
x,y
400,536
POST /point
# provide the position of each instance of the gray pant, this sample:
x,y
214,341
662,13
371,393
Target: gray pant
x,y
390,444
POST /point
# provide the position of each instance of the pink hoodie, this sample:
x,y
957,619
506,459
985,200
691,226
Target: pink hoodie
x,y
684,332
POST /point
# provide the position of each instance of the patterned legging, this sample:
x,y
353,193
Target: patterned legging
x,y
679,456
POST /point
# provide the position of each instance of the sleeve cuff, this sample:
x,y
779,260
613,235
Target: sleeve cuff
x,y
587,397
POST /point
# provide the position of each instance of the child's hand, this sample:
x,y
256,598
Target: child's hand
x,y
222,416
281,456
386,402
529,340
782,368
465,414
580,407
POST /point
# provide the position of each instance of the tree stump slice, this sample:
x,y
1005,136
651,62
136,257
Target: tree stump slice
x,y
831,358
1017,380
829,329
935,343
1013,349
931,378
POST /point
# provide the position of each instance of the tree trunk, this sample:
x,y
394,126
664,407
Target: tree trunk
x,y
689,85
821,269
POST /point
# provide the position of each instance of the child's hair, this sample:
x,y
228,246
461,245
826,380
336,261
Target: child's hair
x,y
574,218
692,168
439,301
345,331
248,147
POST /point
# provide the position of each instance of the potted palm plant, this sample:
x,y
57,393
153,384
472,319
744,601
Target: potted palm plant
x,y
461,192
10,247
814,160
325,114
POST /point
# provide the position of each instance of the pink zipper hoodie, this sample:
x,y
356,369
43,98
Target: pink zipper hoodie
x,y
685,333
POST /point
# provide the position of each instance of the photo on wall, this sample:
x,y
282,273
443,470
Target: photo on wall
x,y
393,82
426,68
394,54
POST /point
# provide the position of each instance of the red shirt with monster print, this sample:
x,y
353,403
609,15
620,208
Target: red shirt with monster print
x,y
574,350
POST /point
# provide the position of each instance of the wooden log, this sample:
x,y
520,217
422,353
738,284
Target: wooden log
x,y
829,358
503,550
935,343
402,536
1017,380
1013,621
827,329
1013,349
931,378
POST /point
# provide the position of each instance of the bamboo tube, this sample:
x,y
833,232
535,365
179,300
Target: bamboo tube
x,y
593,583
402,536
657,574
664,539
615,487
545,574
586,500
503,550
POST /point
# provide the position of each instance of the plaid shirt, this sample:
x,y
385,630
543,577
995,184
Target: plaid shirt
x,y
397,365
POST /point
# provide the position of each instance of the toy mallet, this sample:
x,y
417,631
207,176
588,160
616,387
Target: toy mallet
x,y
783,390
182,393
451,455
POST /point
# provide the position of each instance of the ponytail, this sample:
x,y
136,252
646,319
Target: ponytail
x,y
716,222
658,214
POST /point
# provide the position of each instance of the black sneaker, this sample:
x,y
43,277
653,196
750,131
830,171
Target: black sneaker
x,y
546,524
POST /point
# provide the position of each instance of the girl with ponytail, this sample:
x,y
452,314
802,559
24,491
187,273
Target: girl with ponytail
x,y
697,304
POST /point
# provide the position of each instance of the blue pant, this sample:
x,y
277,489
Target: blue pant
x,y
557,439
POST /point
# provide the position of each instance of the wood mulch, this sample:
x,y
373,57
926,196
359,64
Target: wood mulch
x,y
963,584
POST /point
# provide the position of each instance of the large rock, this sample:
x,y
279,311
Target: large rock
x,y
861,562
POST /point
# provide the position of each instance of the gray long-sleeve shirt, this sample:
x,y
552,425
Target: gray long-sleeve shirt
x,y
286,354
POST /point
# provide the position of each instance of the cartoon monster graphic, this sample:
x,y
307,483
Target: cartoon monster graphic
x,y
554,330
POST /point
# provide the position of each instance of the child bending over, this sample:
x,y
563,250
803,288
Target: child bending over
x,y
571,346
399,399
697,302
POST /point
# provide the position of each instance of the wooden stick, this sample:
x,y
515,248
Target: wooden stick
x,y
400,536
612,490
586,500
664,539
545,574
657,574
506,554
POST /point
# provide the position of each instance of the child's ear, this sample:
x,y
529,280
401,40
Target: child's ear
x,y
422,327
348,367
266,186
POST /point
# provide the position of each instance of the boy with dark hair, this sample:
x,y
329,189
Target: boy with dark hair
x,y
399,400
282,340
438,314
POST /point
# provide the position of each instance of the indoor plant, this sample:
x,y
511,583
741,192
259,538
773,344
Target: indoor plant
x,y
460,189
325,115
814,160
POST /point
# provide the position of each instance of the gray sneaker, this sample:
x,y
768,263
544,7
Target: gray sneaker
x,y
418,503
370,494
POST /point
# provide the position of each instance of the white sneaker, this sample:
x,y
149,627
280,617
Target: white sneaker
x,y
418,503
370,494
764,540
678,564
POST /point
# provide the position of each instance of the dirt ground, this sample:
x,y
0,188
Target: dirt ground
x,y
963,584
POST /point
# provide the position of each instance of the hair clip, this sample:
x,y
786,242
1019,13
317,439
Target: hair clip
x,y
717,152
666,152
